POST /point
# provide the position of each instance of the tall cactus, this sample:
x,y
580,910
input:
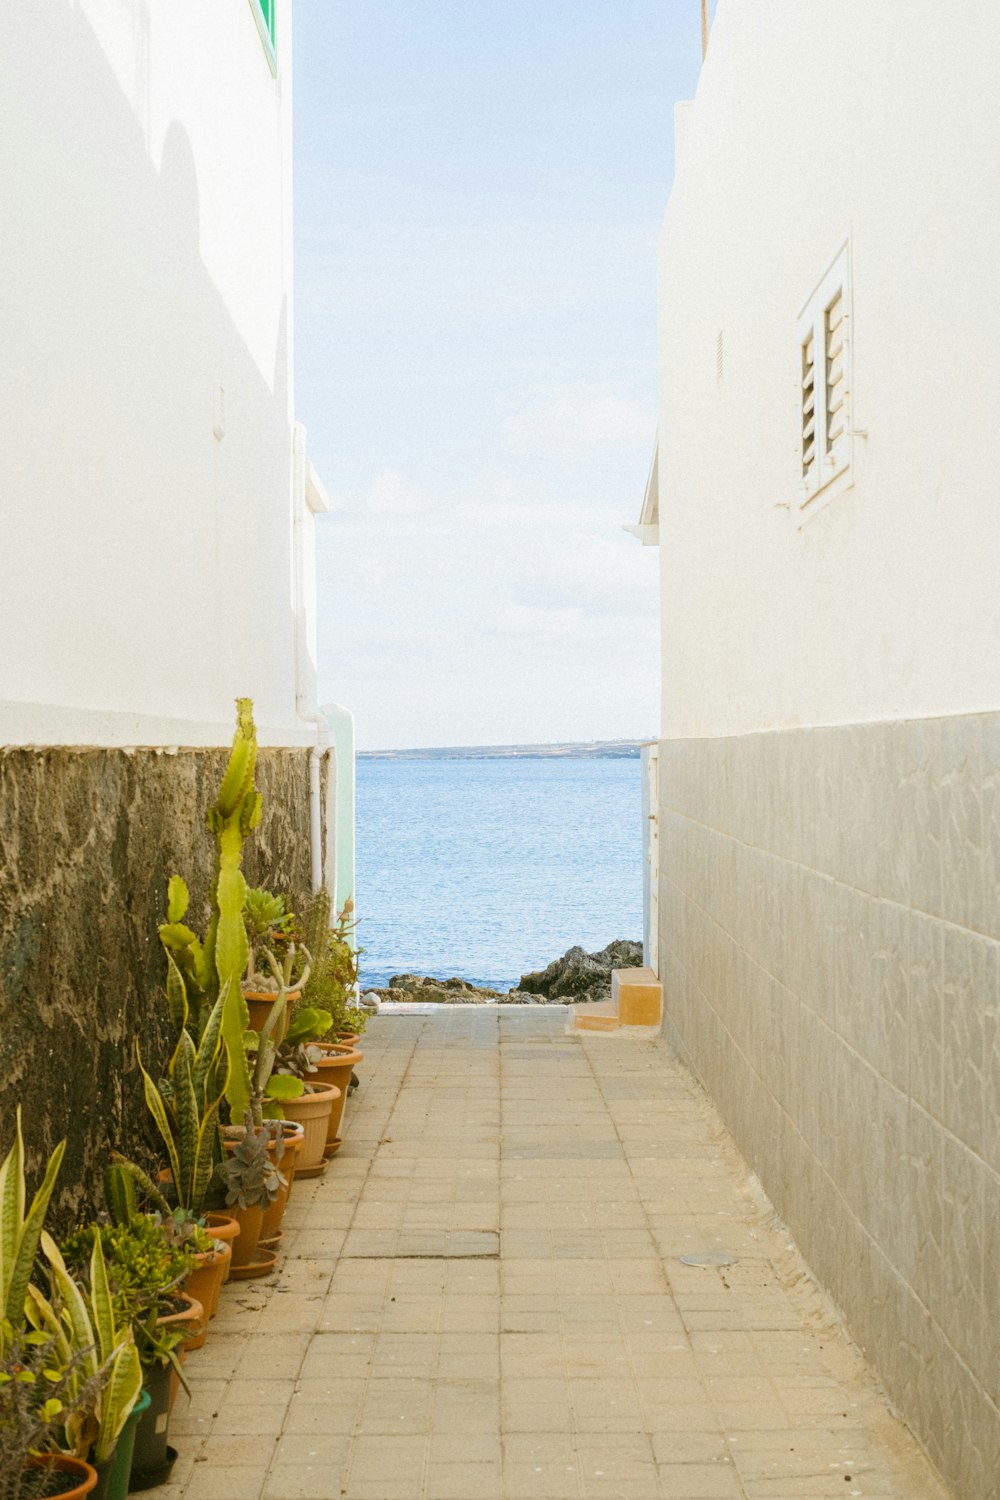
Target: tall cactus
x,y
215,967
236,813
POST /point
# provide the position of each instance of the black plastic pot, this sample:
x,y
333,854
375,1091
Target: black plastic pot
x,y
152,1459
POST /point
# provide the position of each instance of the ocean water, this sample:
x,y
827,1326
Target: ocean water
x,y
487,869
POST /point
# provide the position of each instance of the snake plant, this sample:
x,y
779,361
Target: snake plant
x,y
20,1233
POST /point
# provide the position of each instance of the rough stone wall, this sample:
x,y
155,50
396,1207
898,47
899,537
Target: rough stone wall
x,y
88,839
830,949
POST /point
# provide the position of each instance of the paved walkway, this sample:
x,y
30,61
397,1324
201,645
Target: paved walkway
x,y
483,1300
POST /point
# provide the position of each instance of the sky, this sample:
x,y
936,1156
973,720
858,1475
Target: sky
x,y
479,186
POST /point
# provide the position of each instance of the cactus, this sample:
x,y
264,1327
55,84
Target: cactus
x,y
211,971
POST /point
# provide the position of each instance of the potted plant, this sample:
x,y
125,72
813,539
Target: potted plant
x,y
333,980
102,1427
36,1398
251,1179
88,1361
331,988
277,959
300,1057
210,1253
212,968
145,1274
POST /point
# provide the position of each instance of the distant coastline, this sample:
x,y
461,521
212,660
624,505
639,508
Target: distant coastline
x,y
585,750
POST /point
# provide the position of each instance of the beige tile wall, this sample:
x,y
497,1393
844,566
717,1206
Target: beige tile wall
x,y
830,949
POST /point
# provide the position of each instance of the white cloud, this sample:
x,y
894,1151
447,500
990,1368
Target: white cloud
x,y
497,611
389,494
575,422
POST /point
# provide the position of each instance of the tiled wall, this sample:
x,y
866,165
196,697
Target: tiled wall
x,y
830,950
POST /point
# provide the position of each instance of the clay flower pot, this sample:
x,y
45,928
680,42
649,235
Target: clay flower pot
x,y
312,1112
190,1313
336,1066
274,1213
245,1243
80,1477
224,1228
204,1282
260,1003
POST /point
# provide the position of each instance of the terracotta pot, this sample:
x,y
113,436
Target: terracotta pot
x,y
222,1227
260,1003
348,1038
205,1283
274,1212
80,1477
191,1314
245,1243
312,1112
336,1066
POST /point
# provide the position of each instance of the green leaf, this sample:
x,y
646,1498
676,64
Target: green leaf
x,y
101,1303
309,1025
187,1116
119,1396
177,1001
283,1086
155,1105
23,1237
176,936
74,1308
234,1022
177,899
208,1051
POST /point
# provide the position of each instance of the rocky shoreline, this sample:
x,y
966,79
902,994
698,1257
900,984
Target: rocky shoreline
x,y
577,977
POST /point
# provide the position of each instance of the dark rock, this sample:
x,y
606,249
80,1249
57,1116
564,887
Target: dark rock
x,y
425,990
579,976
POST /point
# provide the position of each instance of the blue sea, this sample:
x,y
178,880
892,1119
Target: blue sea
x,y
487,869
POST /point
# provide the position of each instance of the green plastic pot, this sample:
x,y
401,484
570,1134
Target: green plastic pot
x,y
113,1475
151,1456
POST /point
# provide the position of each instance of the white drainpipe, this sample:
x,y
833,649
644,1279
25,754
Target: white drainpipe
x,y
305,670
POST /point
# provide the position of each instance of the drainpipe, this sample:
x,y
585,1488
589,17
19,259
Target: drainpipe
x,y
305,667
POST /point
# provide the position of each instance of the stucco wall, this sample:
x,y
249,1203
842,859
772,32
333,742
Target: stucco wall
x,y
814,123
146,451
88,840
830,950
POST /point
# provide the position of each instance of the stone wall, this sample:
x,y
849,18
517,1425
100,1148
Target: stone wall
x,y
88,839
830,949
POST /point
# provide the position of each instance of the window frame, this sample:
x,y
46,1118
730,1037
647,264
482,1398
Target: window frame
x,y
833,465
267,28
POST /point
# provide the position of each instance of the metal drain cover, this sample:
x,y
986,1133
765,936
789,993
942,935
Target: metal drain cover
x,y
710,1258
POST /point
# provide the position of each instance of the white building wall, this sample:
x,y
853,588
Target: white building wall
x,y
830,765
814,123
146,379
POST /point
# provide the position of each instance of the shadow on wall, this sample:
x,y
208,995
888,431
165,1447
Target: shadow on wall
x,y
174,545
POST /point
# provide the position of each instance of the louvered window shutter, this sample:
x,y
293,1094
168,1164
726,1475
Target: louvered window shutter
x,y
825,393
809,465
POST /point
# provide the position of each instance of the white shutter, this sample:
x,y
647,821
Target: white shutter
x,y
825,382
810,467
